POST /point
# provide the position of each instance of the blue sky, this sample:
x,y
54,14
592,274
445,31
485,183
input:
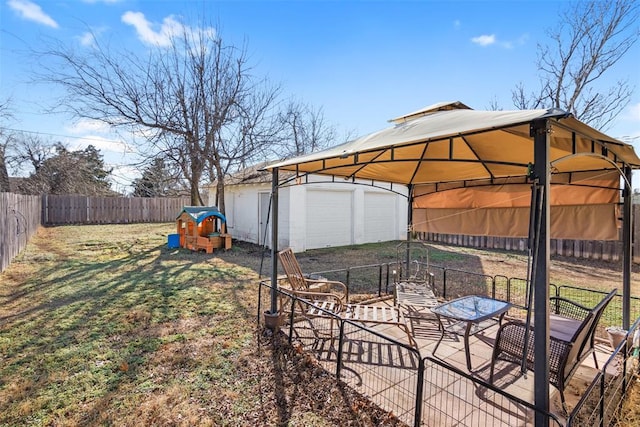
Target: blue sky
x,y
361,62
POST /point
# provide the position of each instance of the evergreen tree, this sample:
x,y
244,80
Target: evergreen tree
x,y
156,181
70,172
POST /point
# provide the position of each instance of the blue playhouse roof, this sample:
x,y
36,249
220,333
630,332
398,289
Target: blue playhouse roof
x,y
200,213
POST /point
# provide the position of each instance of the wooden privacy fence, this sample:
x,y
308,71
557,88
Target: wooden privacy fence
x,y
58,210
19,220
589,249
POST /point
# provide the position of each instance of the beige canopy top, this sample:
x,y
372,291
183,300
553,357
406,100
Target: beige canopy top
x,y
448,142
469,169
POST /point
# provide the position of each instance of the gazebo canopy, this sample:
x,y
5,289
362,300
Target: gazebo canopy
x,y
448,144
469,170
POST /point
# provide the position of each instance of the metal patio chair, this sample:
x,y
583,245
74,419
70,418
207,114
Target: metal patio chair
x,y
572,330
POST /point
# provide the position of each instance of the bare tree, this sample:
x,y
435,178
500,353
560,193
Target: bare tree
x,y
190,100
304,130
31,149
6,137
590,39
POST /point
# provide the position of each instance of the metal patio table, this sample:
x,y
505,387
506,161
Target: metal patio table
x,y
474,312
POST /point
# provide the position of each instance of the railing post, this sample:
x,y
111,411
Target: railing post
x,y
387,278
380,280
340,342
601,405
293,305
444,283
417,420
259,301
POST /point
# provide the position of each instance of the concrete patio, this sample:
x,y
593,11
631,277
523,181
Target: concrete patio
x,y
379,369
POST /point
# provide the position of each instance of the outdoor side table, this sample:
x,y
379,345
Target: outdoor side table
x,y
474,312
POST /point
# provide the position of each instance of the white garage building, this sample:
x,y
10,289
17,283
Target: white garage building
x,y
316,214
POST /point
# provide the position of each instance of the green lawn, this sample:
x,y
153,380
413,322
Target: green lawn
x,y
103,325
95,320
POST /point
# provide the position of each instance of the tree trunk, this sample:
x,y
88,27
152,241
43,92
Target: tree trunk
x,y
4,176
220,195
196,200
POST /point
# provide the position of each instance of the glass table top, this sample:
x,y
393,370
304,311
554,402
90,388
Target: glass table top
x,y
472,308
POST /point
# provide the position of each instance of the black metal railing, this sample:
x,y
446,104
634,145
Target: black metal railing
x,y
448,283
428,391
601,401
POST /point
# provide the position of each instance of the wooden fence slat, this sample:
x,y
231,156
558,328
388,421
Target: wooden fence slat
x,y
59,210
20,218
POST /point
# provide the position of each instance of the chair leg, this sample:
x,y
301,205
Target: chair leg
x,y
595,360
564,402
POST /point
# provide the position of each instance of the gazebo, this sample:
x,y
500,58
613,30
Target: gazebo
x,y
511,172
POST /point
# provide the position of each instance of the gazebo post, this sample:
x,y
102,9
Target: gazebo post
x,y
627,221
409,224
540,130
274,240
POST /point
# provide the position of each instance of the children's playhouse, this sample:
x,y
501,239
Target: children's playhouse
x,y
202,228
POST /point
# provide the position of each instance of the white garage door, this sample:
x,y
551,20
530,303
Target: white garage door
x,y
380,217
329,218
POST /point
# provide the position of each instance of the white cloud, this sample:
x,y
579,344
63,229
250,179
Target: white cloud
x,y
162,35
96,133
488,40
31,12
87,39
457,24
484,40
101,143
87,125
169,29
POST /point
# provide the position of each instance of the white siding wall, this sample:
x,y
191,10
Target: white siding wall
x,y
380,217
319,215
329,218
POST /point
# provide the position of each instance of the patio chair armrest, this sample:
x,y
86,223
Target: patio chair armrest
x,y
510,338
318,296
567,308
334,286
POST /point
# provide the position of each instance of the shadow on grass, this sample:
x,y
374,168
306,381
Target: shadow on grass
x,y
303,387
97,319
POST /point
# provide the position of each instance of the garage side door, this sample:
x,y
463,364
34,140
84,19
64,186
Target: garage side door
x,y
380,217
329,218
